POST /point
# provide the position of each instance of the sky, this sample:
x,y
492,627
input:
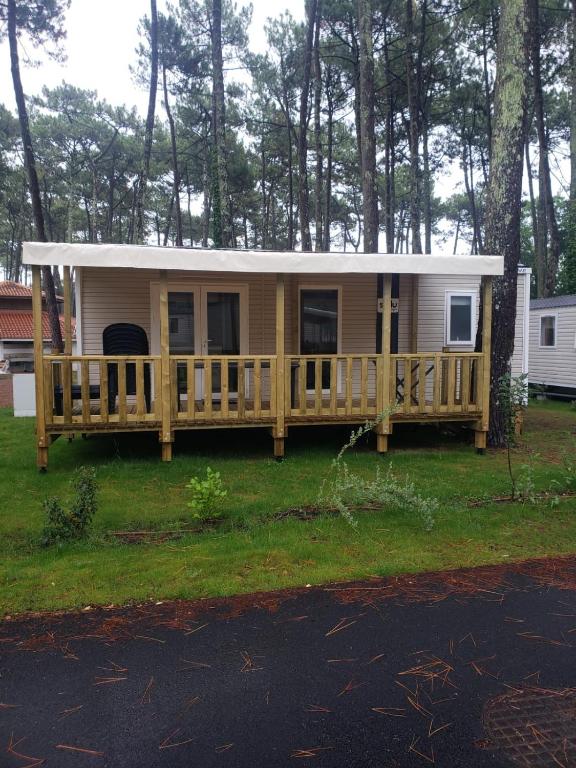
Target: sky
x,y
101,42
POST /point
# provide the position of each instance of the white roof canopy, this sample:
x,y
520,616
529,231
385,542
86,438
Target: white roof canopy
x,y
206,260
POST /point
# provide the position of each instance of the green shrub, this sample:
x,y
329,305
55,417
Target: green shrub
x,y
206,495
65,525
346,491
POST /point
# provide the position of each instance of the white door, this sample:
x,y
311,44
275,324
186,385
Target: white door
x,y
204,320
222,332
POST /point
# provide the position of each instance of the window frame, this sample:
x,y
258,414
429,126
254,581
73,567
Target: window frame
x,y
473,295
554,316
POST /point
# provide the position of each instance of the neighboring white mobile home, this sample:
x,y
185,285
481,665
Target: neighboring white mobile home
x,y
553,345
254,338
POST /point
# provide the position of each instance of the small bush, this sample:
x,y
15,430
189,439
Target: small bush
x,y
345,491
65,525
206,495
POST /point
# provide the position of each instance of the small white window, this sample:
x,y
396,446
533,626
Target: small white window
x,y
548,331
460,318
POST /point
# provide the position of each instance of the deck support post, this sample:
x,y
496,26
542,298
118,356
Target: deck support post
x,y
162,388
483,424
42,440
383,428
279,430
67,312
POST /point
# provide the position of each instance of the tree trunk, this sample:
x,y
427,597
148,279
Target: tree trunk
x,y
219,123
175,168
367,131
533,213
503,197
389,158
549,236
413,89
206,196
32,176
426,188
149,131
329,164
470,192
303,192
570,260
318,131
487,99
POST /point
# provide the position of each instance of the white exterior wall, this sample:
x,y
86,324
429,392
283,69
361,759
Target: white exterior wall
x,y
554,366
432,290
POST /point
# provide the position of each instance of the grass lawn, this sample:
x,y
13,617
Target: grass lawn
x,y
252,550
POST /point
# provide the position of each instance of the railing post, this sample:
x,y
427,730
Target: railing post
x,y
166,433
279,431
383,428
42,439
484,423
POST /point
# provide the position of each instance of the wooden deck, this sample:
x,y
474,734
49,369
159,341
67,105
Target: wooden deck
x,y
166,393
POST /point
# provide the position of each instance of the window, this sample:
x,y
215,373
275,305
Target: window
x,y
460,318
181,323
318,329
548,331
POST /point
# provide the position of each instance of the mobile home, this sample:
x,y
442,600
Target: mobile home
x,y
229,339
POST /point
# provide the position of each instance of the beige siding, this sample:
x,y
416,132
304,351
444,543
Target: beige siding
x,y
554,366
123,295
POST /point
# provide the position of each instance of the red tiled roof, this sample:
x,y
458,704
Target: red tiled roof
x,y
18,324
11,290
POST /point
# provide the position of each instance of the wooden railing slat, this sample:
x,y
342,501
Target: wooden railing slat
x,y
157,407
190,389
465,383
241,407
318,385
122,402
422,385
275,402
302,374
85,391
437,386
349,385
67,389
407,386
451,382
140,399
333,385
103,366
224,388
364,386
208,388
48,403
257,388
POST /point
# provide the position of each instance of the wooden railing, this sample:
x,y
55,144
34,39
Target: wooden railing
x,y
89,390
119,390
436,383
223,388
331,385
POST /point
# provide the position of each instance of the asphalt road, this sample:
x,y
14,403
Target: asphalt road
x,y
471,668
